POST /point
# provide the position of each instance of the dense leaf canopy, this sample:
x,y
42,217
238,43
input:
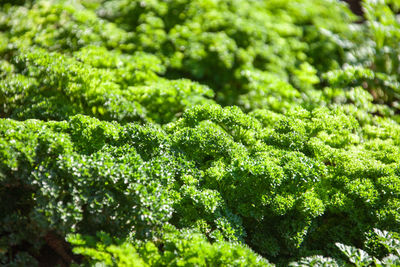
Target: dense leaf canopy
x,y
199,133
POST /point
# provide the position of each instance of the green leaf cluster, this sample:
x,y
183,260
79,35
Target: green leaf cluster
x,y
199,133
179,248
358,257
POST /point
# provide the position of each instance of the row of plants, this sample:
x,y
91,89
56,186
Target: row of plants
x,y
199,133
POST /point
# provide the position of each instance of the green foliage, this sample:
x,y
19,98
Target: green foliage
x,y
95,82
50,180
60,25
216,170
179,248
358,257
199,133
219,43
372,54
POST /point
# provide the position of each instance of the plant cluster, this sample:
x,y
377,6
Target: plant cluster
x,y
199,133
